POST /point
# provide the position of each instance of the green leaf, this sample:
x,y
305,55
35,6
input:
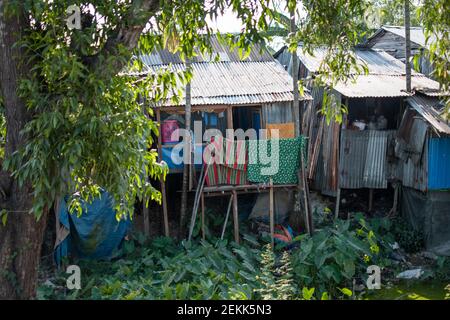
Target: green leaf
x,y
4,216
346,292
307,293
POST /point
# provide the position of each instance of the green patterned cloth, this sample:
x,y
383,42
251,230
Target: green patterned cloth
x,y
262,164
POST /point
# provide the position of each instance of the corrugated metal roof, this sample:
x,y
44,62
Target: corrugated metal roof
x,y
428,109
235,83
417,34
386,75
363,159
384,86
378,62
223,52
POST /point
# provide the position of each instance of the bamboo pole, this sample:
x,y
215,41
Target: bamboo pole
x,y
235,217
203,216
271,215
226,217
338,200
407,46
163,182
186,154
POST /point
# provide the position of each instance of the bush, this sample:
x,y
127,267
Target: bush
x,y
333,256
320,267
410,240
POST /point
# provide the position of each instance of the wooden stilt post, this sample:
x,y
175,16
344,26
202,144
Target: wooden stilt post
x,y
370,199
393,210
203,216
304,184
230,117
163,182
394,206
338,201
271,215
235,217
226,217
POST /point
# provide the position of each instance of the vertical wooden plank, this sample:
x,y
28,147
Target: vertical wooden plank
x,y
163,182
394,205
338,201
297,114
370,199
230,117
271,215
226,217
235,217
203,216
303,184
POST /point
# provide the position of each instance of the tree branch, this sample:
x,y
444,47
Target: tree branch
x,y
128,34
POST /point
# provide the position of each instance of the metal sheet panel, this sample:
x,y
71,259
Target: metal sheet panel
x,y
280,112
378,62
415,175
363,159
375,166
384,86
416,34
428,109
352,159
439,163
385,78
235,83
221,51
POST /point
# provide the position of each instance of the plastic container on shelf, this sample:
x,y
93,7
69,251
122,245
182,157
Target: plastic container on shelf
x,y
168,127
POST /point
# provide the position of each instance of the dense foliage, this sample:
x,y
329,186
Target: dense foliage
x,y
319,267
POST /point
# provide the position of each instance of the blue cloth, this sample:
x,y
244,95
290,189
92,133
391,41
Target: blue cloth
x,y
93,235
167,157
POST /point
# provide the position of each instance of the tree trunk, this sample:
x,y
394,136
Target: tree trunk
x,y
21,238
407,46
186,155
296,114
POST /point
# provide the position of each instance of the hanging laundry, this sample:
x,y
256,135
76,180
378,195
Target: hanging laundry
x,y
284,156
233,169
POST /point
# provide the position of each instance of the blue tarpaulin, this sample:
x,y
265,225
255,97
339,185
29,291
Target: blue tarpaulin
x,y
95,234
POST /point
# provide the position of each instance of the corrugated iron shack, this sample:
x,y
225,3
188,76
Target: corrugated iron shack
x,y
423,147
392,40
387,137
360,152
226,91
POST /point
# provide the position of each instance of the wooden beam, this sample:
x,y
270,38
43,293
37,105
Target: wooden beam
x,y
203,216
338,200
163,182
235,217
271,215
230,117
394,205
261,187
226,217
